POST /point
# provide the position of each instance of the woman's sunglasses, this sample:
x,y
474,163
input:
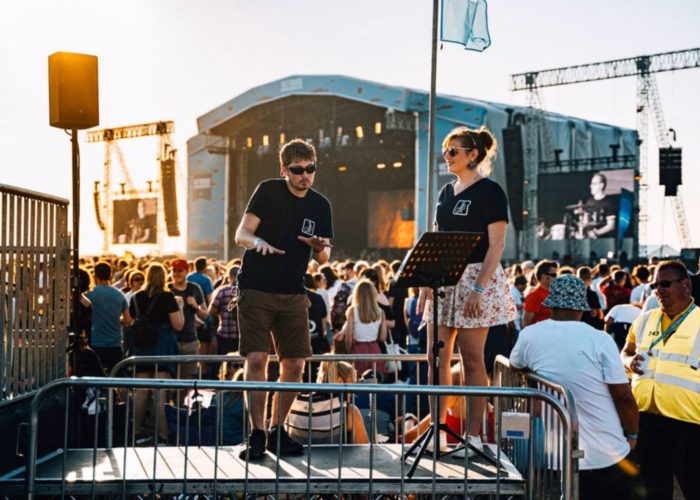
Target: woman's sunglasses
x,y
453,151
298,169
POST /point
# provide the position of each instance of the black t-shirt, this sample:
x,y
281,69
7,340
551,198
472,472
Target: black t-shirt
x,y
283,217
317,312
598,213
189,331
164,305
593,303
399,295
472,210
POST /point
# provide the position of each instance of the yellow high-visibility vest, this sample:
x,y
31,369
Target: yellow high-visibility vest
x,y
670,385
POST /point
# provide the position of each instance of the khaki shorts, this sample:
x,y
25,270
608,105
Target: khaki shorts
x,y
285,315
189,370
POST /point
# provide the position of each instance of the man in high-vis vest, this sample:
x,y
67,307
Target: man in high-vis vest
x,y
663,354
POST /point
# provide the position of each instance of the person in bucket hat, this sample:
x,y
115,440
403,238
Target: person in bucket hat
x,y
572,353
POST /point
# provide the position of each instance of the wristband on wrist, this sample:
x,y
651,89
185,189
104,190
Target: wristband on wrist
x,y
478,289
631,436
256,241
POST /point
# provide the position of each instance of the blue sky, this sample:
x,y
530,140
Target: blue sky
x,y
177,59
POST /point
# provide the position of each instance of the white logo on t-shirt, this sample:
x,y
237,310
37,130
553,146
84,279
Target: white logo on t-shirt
x,y
308,227
462,207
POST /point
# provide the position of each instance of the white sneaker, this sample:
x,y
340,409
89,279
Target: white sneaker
x,y
475,441
443,443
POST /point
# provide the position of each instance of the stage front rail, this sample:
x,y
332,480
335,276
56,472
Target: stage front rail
x,y
545,457
415,372
371,469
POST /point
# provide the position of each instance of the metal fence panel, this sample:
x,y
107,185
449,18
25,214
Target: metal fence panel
x,y
34,274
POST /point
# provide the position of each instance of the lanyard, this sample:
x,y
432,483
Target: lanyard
x,y
671,328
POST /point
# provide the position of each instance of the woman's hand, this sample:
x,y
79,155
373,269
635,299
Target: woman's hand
x,y
424,295
472,307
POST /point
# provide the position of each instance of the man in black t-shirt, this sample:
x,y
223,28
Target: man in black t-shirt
x,y
195,305
285,223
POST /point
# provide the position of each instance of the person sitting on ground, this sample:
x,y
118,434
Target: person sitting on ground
x,y
326,410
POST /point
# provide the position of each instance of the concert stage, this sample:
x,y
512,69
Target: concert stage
x,y
378,470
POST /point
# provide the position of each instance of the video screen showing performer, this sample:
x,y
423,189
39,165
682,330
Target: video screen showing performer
x,y
135,221
581,205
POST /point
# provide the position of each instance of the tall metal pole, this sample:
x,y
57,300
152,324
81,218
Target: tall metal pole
x,y
75,272
431,116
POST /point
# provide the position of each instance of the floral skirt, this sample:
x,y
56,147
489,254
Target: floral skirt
x,y
497,306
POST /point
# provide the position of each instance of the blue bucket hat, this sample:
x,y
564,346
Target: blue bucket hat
x,y
567,292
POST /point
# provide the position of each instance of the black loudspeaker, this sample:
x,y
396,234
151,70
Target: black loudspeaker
x,y
167,183
73,91
670,169
514,158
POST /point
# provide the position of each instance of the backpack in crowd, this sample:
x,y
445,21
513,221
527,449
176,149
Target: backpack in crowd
x,y
340,304
142,330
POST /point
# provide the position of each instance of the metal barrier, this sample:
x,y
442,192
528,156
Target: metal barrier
x,y
545,458
414,406
34,292
372,469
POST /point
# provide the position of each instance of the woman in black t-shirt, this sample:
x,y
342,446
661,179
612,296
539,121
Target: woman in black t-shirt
x,y
166,317
481,299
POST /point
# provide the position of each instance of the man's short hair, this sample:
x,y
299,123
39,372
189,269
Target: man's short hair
x,y
200,264
641,272
297,149
673,265
103,271
603,269
520,280
619,276
543,267
584,273
348,266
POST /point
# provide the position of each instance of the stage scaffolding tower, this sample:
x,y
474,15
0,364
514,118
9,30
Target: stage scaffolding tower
x,y
648,105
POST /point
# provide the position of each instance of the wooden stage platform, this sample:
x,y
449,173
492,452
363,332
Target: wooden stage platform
x,y
116,473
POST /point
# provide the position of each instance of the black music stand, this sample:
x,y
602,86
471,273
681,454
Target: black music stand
x,y
438,259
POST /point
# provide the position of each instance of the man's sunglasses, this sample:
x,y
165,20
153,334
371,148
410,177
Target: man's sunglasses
x,y
664,283
298,169
453,151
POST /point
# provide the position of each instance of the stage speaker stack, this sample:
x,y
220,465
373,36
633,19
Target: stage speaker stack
x,y
167,183
670,173
73,91
514,158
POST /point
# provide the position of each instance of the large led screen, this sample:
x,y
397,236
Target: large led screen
x,y
584,205
391,219
135,221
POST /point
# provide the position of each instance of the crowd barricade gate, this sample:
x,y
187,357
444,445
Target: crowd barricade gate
x,y
334,469
544,458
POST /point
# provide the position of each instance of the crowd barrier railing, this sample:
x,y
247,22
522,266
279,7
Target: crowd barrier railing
x,y
372,469
417,373
546,456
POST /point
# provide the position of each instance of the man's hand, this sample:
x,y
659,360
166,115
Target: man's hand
x,y
632,442
317,244
263,247
636,364
180,302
